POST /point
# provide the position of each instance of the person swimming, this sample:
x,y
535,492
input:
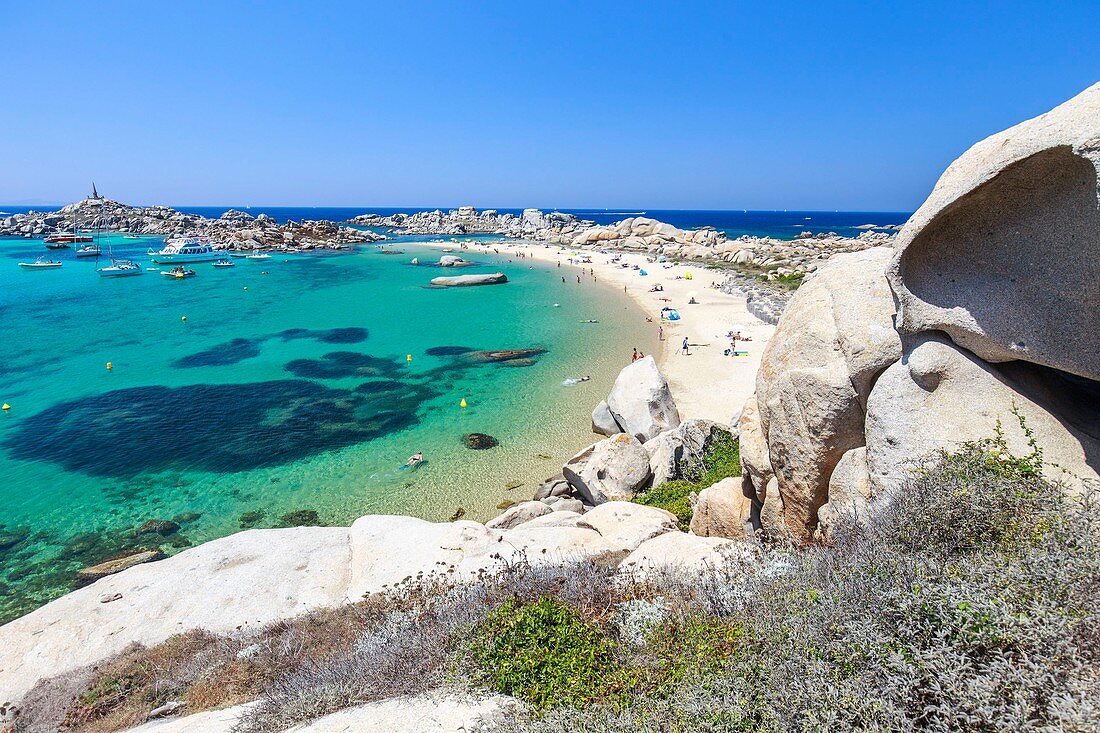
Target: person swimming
x,y
414,459
575,380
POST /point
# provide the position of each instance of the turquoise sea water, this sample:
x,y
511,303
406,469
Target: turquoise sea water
x,y
279,393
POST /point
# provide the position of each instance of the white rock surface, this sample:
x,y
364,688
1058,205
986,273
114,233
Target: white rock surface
x,y
628,525
246,580
516,515
640,400
686,552
603,422
210,721
612,469
428,713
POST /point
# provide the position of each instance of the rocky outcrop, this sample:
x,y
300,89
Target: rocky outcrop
x,y
725,510
629,525
679,453
233,229
612,469
254,578
815,375
532,223
686,553
460,281
849,491
518,514
603,422
997,285
1016,224
640,401
940,395
92,573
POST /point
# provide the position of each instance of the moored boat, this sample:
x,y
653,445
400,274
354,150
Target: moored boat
x,y
179,273
120,268
260,256
224,263
62,241
185,249
41,264
88,250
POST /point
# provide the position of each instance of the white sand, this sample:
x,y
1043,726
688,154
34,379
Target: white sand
x,y
705,384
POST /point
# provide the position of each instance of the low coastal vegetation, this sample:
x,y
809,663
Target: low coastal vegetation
x,y
721,460
970,600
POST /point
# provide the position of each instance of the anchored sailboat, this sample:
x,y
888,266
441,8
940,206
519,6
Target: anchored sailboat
x,y
119,267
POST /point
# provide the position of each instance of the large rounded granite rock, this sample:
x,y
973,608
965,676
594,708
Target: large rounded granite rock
x,y
833,340
939,396
614,468
458,281
1004,256
724,510
640,401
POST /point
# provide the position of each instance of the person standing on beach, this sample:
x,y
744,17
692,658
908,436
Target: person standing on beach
x,y
684,348
660,333
634,358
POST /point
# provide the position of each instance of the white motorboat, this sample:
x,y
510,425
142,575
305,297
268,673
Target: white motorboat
x,y
179,272
120,268
88,250
41,264
224,263
186,249
260,256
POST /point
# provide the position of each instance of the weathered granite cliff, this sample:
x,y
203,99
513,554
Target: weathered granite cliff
x,y
984,316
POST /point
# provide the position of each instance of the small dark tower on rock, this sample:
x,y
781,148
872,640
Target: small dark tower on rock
x,y
95,194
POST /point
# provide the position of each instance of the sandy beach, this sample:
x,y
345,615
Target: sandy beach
x,y
705,382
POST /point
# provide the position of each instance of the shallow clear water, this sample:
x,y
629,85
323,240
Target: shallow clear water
x,y
280,392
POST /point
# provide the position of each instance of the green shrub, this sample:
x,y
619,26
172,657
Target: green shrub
x,y
722,460
672,496
544,653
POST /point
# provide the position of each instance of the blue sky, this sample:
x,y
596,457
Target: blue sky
x,y
726,105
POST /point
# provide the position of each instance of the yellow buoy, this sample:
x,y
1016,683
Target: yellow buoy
x,y
463,403
7,406
110,366
408,357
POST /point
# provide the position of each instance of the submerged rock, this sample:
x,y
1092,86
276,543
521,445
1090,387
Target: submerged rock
x,y
91,574
11,537
301,518
500,356
479,441
163,527
248,520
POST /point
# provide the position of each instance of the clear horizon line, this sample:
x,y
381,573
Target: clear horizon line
x,y
367,208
